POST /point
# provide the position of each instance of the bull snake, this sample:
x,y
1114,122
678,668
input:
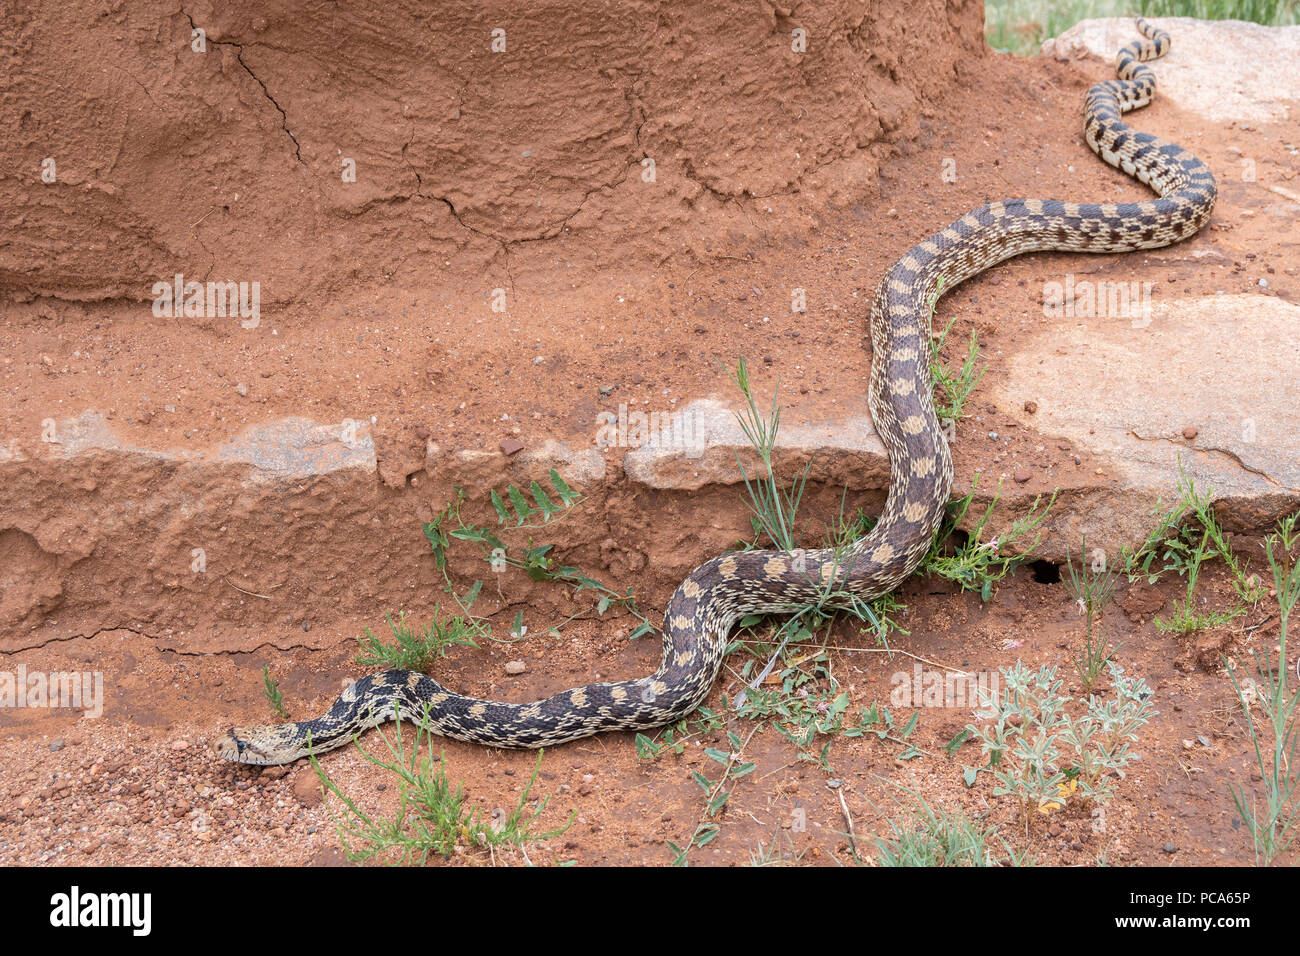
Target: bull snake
x,y
719,592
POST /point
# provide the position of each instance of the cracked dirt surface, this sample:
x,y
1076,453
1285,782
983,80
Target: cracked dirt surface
x,y
464,142
195,30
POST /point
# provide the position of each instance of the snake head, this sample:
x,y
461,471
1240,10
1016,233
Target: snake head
x,y
270,744
240,744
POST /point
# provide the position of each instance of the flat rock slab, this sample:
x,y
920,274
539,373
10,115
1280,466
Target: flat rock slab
x,y
1210,382
1203,386
283,530
705,444
1224,70
291,447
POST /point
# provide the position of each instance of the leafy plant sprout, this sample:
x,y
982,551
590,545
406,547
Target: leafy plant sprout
x,y
773,508
1275,738
432,815
415,649
515,512
271,690
1040,755
953,388
928,837
1092,588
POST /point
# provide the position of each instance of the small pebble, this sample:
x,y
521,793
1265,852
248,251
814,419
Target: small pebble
x,y
56,745
1190,432
307,787
1031,407
516,667
510,446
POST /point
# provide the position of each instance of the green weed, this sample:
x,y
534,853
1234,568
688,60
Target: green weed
x,y
414,649
272,691
432,814
1276,739
1092,588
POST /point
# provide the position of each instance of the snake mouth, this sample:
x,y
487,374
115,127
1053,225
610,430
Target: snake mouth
x,y
231,747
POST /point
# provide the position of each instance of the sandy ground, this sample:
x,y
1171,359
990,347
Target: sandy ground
x,y
139,785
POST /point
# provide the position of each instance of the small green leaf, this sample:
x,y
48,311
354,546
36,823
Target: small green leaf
x,y
567,494
706,834
502,514
954,745
543,502
521,504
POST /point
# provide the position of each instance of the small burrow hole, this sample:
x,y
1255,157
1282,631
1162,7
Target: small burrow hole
x,y
1045,572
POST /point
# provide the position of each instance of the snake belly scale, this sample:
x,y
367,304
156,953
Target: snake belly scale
x,y
719,592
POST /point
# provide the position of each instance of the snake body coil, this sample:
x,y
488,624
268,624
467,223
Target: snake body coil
x,y
719,592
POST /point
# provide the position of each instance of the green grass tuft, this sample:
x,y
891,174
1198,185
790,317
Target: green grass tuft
x,y
414,649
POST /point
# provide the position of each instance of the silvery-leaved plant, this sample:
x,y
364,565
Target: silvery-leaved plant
x,y
1040,754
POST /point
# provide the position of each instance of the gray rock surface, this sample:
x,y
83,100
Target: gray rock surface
x,y
1224,70
711,449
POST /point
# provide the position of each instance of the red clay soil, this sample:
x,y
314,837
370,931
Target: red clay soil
x,y
814,173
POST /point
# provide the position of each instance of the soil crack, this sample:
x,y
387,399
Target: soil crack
x,y
1214,449
239,55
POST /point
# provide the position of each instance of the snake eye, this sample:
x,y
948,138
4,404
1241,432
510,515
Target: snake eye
x,y
241,745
